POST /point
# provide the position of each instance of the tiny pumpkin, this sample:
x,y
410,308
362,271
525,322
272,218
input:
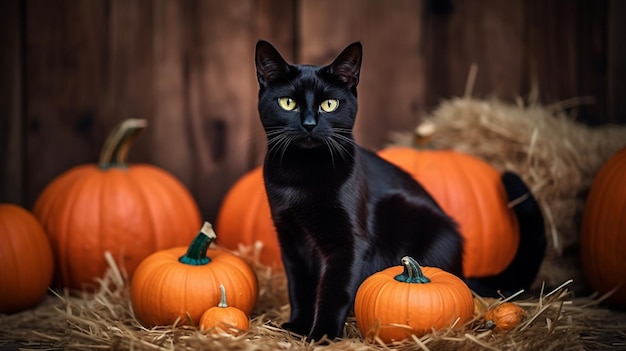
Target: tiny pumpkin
x,y
504,317
26,262
408,299
223,318
128,210
182,282
471,191
603,231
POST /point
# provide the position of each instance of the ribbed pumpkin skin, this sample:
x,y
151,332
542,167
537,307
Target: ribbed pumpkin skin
x,y
224,318
603,230
505,316
381,301
26,262
245,217
164,289
470,191
131,212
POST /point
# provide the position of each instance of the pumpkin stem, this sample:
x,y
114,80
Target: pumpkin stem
x,y
196,253
222,303
118,143
412,272
423,135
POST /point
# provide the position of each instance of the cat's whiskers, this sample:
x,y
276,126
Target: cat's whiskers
x,y
278,141
335,146
341,150
329,143
278,144
340,133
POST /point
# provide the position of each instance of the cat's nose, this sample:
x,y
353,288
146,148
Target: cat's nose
x,y
309,123
309,127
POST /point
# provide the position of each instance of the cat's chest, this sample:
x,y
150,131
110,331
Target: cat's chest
x,y
288,196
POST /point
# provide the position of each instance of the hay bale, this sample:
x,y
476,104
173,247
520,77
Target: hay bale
x,y
555,156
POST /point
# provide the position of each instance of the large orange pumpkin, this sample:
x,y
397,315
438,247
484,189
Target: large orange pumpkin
x,y
129,210
244,218
26,263
603,230
403,300
471,191
184,282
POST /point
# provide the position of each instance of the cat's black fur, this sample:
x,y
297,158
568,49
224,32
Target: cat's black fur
x,y
341,212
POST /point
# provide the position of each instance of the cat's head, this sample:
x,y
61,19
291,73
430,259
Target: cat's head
x,y
308,106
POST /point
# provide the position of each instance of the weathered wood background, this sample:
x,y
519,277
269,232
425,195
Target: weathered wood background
x,y
70,70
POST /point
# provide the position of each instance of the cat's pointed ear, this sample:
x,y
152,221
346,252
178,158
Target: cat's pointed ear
x,y
347,66
269,64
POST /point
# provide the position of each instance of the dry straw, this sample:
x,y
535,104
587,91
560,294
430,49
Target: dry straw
x,y
105,320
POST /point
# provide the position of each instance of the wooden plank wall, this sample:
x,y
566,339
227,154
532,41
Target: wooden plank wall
x,y
72,69
12,143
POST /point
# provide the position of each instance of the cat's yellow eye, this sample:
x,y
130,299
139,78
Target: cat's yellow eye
x,y
287,103
329,105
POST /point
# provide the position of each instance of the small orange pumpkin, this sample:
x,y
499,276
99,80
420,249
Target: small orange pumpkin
x,y
470,191
504,317
26,262
223,318
245,218
603,231
403,300
128,210
183,282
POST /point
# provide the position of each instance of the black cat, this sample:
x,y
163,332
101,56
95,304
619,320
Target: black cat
x,y
341,212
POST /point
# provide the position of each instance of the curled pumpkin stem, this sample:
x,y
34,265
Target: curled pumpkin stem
x,y
412,272
196,253
117,144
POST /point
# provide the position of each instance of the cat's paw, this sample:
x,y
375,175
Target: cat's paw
x,y
325,334
297,328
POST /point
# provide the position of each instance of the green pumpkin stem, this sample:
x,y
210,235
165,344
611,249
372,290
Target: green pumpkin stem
x,y
412,272
222,303
117,144
196,253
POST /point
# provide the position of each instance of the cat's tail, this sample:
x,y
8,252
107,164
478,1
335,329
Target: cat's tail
x,y
522,271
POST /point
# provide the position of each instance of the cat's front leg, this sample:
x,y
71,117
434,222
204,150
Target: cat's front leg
x,y
301,301
338,284
302,279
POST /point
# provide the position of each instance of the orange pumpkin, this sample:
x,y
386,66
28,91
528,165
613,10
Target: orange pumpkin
x,y
128,210
183,282
223,318
26,262
245,218
471,191
504,317
403,300
603,231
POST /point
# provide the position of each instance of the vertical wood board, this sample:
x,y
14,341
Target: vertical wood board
x,y
12,185
391,87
